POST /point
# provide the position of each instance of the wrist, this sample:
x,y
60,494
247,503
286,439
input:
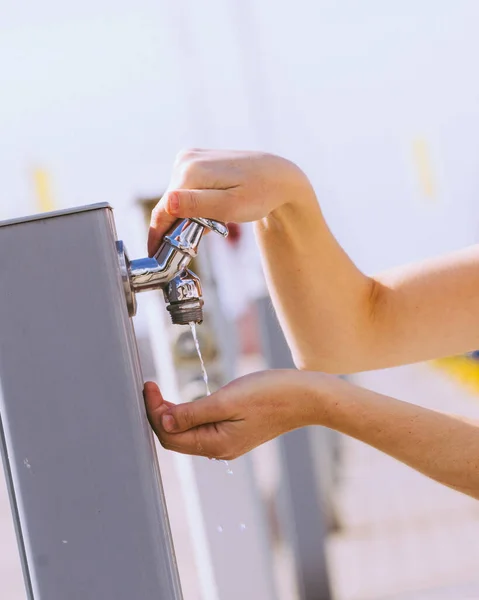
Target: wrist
x,y
324,398
315,400
297,201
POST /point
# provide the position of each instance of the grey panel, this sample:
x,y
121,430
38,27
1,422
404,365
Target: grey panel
x,y
84,480
54,214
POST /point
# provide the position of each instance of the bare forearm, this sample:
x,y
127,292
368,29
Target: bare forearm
x,y
443,447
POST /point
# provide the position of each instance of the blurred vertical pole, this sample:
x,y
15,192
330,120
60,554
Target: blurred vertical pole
x,y
254,74
306,519
232,544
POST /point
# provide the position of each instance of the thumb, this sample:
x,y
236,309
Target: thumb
x,y
182,417
155,404
210,204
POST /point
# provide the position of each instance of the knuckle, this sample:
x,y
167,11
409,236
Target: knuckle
x,y
186,174
183,155
186,155
190,168
192,201
156,211
159,208
187,419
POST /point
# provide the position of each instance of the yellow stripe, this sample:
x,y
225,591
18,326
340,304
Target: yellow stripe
x,y
43,191
463,369
424,168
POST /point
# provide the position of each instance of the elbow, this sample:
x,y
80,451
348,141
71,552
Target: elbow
x,y
348,347
304,362
341,364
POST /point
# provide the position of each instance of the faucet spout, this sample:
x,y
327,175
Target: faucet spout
x,y
168,270
184,299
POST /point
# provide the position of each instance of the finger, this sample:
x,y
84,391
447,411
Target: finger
x,y
181,204
208,203
155,404
204,440
160,223
183,417
177,204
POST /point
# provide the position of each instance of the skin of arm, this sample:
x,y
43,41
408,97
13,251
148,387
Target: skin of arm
x,y
256,408
336,320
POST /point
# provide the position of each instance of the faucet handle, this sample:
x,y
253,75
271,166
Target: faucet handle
x,y
216,226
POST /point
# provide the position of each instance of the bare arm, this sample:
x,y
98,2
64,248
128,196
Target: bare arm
x,y
443,447
337,319
259,407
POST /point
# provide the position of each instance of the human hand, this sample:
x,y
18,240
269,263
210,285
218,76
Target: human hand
x,y
242,415
227,186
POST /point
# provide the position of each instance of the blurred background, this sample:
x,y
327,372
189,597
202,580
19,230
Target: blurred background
x,y
378,102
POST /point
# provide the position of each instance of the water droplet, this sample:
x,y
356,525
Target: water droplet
x,y
242,526
229,472
27,463
219,529
64,541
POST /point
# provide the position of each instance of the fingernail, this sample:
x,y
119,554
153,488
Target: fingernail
x,y
168,422
173,203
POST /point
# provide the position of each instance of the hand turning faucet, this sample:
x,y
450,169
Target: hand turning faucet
x,y
168,271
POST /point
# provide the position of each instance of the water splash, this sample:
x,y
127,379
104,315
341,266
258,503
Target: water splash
x,y
229,470
198,349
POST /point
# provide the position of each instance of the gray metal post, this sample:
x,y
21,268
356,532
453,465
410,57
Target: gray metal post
x,y
84,483
306,520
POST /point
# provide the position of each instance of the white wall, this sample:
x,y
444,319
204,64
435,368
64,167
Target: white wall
x,y
104,94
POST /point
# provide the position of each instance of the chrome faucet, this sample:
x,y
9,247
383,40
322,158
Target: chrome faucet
x,y
168,271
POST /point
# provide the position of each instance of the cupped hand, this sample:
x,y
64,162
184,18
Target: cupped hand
x,y
242,415
227,186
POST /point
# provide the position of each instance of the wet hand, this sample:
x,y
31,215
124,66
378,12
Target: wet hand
x,y
227,186
244,414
